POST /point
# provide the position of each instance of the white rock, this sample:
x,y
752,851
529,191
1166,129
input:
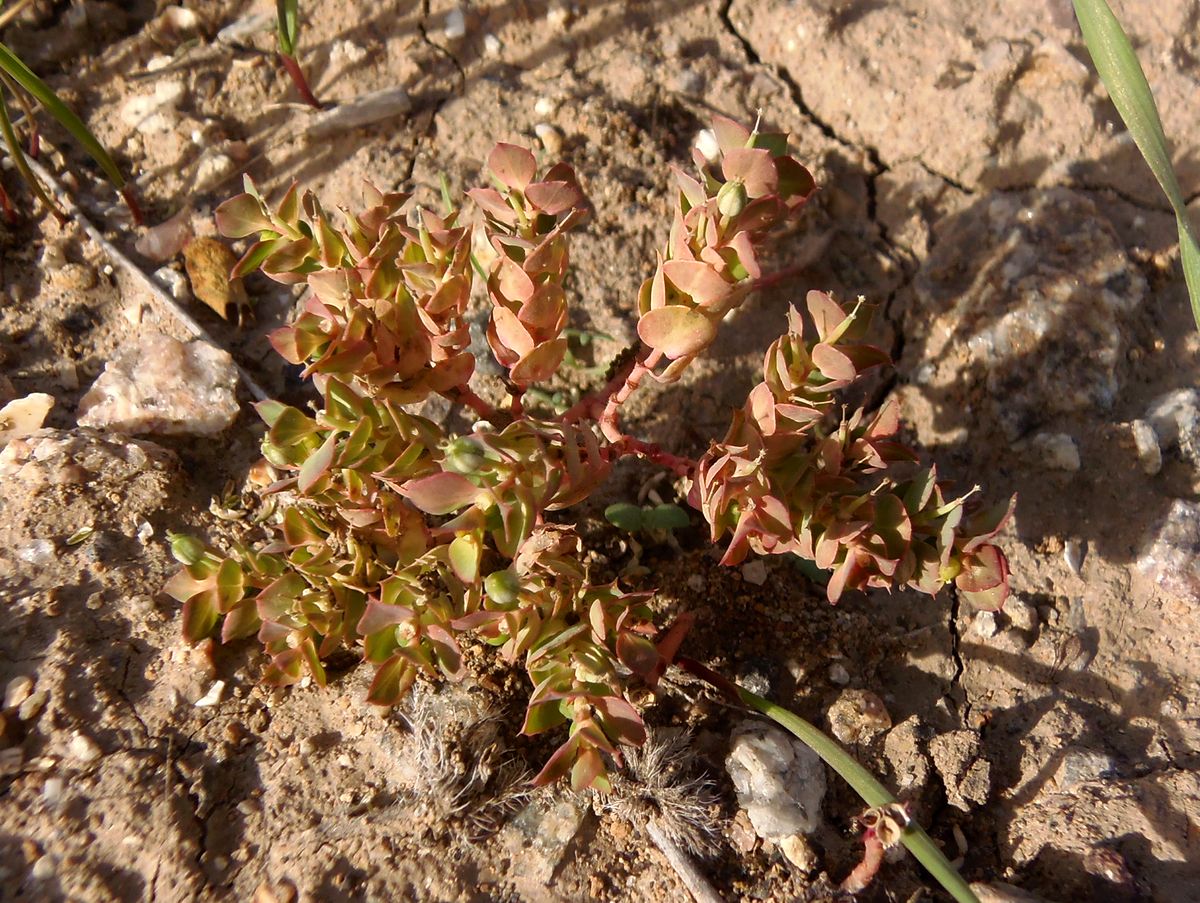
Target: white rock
x,y
83,748
492,45
214,695
23,416
1056,451
551,137
164,386
1149,452
1074,551
455,25
780,782
174,282
984,626
1174,415
838,675
246,27
213,168
1172,558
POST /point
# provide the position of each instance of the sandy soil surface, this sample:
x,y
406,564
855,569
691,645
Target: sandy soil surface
x,y
975,183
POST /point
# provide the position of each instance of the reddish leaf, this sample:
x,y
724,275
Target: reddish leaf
x,y
676,331
698,280
317,464
514,166
540,364
392,681
753,167
440,493
553,198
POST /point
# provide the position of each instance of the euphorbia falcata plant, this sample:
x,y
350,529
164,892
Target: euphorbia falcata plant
x,y
397,537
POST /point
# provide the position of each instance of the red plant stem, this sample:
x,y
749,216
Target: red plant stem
x,y
592,405
135,208
10,214
464,395
864,873
298,79
612,409
516,406
628,445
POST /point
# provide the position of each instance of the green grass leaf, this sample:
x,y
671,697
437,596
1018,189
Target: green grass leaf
x,y
1130,92
288,16
24,76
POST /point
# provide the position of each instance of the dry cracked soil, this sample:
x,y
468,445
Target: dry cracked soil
x,y
975,183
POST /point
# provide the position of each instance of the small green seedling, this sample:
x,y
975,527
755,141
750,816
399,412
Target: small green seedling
x,y
287,30
1126,83
20,83
635,518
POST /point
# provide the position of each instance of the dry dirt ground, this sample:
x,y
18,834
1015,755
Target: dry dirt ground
x,y
975,183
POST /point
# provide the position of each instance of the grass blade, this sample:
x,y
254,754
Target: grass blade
x,y
18,156
288,23
1122,75
24,76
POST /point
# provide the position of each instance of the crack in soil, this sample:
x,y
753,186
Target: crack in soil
x,y
956,655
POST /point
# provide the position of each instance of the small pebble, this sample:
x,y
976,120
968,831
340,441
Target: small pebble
x,y
838,675
214,695
755,572
52,791
456,24
44,869
559,15
32,707
174,282
17,691
492,45
985,625
1149,452
83,748
544,106
799,852
551,138
1057,451
1074,551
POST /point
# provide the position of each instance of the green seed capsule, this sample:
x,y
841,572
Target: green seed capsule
x,y
503,588
731,199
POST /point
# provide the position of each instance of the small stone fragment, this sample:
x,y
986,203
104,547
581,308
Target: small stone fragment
x,y
1074,551
550,136
44,868
214,695
984,625
164,386
1172,559
1082,766
838,675
780,782
999,892
32,707
1056,451
492,45
1149,452
755,572
23,416
83,748
17,691
858,716
799,852
455,25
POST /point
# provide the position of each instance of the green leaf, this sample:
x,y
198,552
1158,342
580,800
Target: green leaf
x,y
1130,92
200,616
665,517
624,516
23,76
288,25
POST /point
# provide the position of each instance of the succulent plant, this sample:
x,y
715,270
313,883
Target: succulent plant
x,y
394,537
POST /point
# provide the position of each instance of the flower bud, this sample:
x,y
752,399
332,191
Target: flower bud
x,y
464,456
731,199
